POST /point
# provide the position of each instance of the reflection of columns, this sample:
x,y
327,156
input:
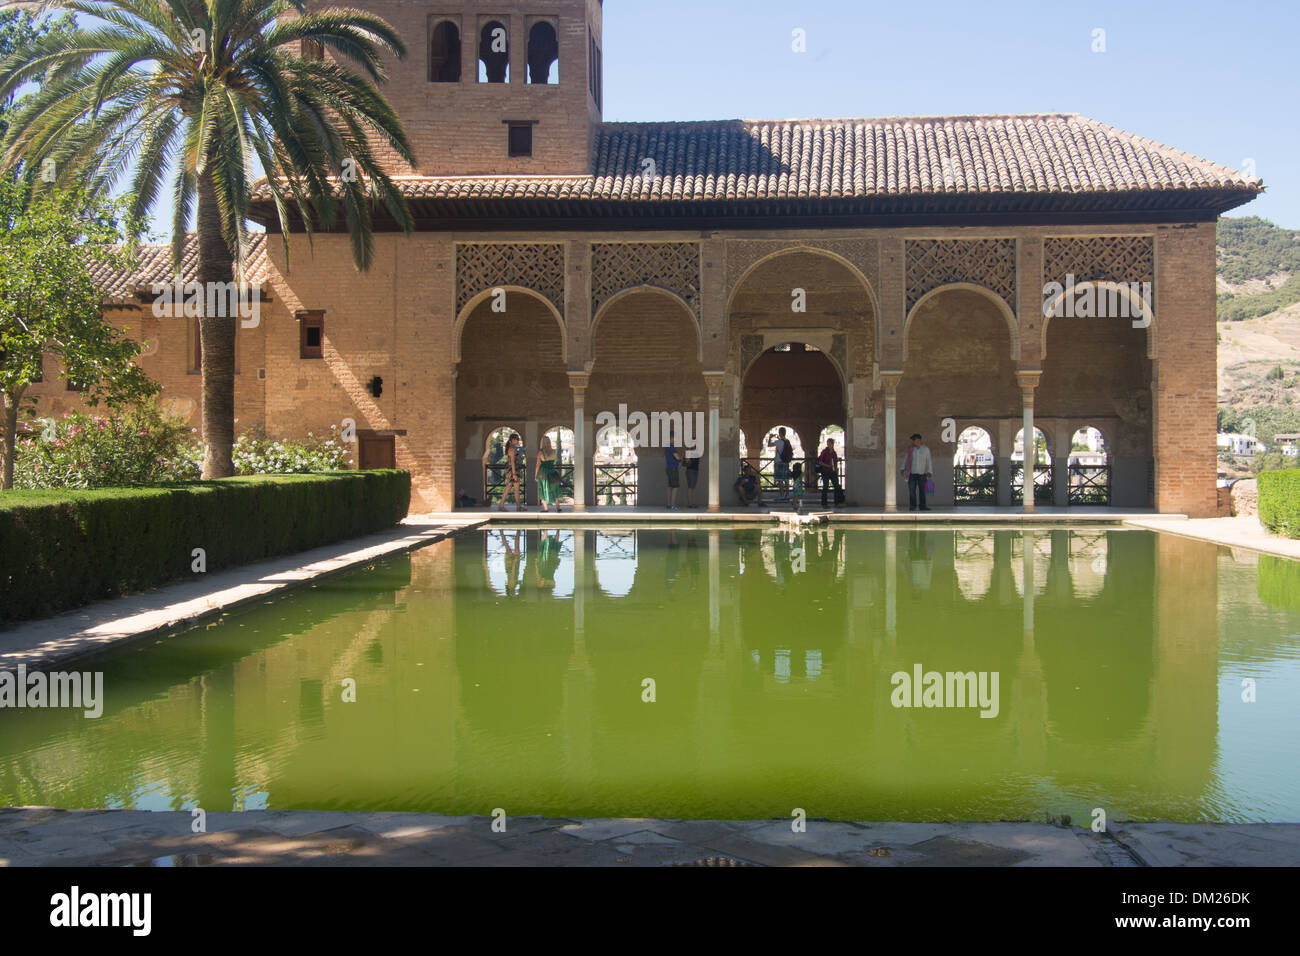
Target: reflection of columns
x,y
715,582
1027,539
578,382
890,381
1028,381
714,382
579,593
891,585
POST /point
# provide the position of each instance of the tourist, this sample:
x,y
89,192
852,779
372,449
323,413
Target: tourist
x,y
547,475
796,498
673,466
746,485
781,467
513,481
917,470
828,470
692,478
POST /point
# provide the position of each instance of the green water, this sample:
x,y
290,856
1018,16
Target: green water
x,y
503,670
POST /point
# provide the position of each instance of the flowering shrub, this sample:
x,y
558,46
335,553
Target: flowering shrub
x,y
141,445
256,454
146,445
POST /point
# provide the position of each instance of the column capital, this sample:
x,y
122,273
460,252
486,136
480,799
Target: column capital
x,y
890,380
579,380
714,381
1028,380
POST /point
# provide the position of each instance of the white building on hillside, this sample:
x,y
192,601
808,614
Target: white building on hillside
x,y
1235,444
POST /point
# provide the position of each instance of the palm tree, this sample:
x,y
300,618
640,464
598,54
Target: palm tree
x,y
197,94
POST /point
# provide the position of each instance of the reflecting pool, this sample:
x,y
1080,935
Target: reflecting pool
x,y
1151,676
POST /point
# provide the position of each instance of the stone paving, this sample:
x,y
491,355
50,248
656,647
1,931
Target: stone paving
x,y
1241,531
35,836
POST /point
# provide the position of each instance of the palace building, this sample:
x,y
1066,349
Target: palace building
x,y
972,278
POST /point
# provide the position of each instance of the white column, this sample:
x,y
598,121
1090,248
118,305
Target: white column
x,y
714,381
890,380
1028,381
578,382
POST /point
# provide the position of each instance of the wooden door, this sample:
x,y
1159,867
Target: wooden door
x,y
376,451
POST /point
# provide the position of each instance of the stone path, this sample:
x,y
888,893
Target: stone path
x,y
1243,531
46,837
96,627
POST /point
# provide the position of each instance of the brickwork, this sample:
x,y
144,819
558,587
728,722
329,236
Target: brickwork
x,y
460,128
399,322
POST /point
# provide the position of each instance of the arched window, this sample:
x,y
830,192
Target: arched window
x,y
1041,458
614,466
974,470
1089,468
495,466
543,54
444,53
562,440
493,53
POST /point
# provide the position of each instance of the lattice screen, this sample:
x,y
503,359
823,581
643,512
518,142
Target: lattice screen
x,y
616,266
1091,258
533,265
935,262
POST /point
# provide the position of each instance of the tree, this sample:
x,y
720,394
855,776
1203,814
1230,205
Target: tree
x,y
204,96
49,247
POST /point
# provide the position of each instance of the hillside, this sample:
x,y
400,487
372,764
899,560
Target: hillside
x,y
1259,326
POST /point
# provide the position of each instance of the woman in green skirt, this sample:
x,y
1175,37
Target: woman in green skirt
x,y
547,475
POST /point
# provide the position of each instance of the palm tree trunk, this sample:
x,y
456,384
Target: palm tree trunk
x,y
216,336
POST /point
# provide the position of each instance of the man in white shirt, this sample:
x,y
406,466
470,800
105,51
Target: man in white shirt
x,y
917,469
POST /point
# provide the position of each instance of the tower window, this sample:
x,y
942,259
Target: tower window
x,y
543,53
311,335
593,67
520,139
493,53
444,53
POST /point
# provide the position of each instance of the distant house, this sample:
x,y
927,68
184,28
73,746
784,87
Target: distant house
x,y
1288,444
1235,444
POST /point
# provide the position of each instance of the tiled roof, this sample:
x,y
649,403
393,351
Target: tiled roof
x,y
747,160
155,265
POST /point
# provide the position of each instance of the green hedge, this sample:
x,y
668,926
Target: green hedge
x,y
60,549
1279,501
1278,581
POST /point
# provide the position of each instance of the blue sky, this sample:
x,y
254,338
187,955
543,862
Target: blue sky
x,y
1215,79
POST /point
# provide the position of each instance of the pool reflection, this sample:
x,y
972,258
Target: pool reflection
x,y
507,668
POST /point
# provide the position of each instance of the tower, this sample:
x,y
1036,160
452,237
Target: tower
x,y
497,87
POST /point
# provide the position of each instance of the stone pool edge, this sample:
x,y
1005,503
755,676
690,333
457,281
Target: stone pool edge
x,y
113,624
41,836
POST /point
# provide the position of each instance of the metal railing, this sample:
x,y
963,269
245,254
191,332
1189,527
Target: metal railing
x,y
1044,484
616,483
494,481
1089,484
975,484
